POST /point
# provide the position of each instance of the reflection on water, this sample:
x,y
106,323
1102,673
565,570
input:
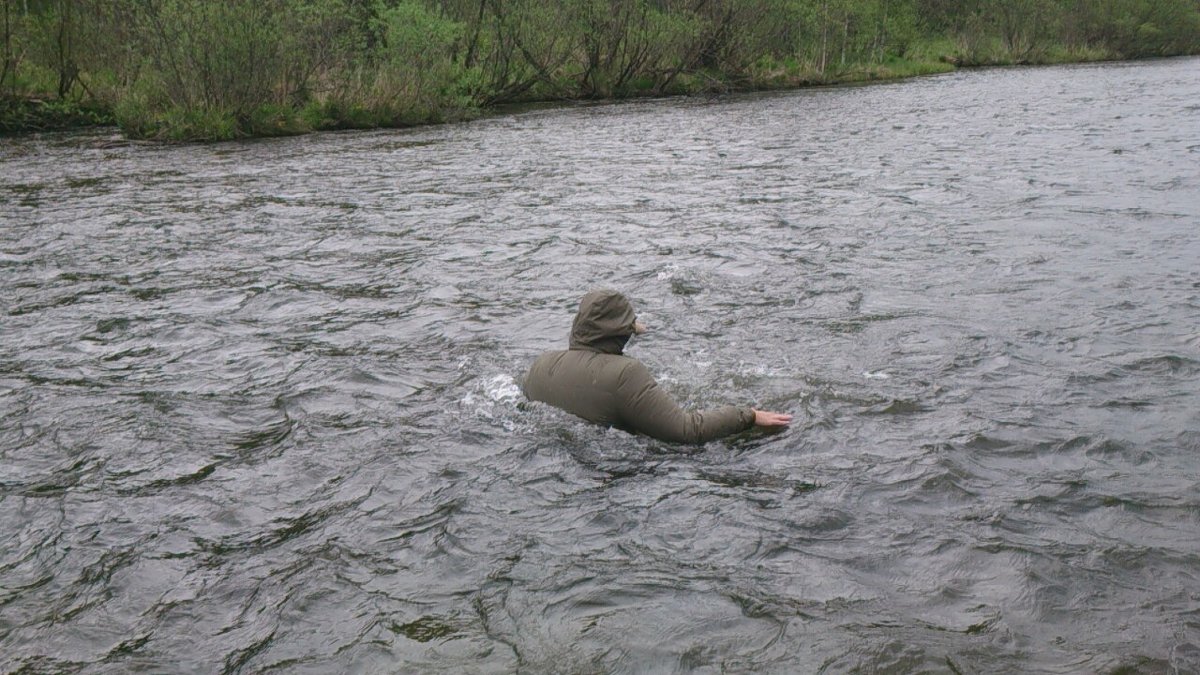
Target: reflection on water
x,y
259,409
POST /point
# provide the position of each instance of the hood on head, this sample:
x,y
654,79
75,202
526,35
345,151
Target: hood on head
x,y
604,322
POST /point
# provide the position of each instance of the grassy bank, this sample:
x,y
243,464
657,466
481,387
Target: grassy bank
x,y
32,115
137,120
196,70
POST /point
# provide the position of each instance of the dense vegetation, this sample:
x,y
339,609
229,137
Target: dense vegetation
x,y
203,69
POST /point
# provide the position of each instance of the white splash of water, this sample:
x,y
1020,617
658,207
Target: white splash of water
x,y
495,399
502,389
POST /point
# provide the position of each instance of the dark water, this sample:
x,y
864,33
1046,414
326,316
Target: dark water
x,y
258,408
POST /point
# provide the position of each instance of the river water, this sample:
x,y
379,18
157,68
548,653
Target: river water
x,y
259,405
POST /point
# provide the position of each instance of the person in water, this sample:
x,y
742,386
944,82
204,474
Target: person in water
x,y
594,380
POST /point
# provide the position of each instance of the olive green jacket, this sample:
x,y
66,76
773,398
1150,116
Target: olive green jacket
x,y
595,381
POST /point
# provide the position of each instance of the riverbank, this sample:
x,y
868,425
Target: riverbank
x,y
22,116
34,115
248,68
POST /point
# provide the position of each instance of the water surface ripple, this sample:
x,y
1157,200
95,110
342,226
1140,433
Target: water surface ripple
x,y
258,402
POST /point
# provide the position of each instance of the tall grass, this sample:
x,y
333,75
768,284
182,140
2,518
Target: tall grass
x,y
213,70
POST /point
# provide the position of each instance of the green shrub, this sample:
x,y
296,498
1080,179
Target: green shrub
x,y
210,70
418,78
332,115
272,119
34,115
197,124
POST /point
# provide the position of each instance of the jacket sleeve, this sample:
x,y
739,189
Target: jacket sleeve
x,y
647,409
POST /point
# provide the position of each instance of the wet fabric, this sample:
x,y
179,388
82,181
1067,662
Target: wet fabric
x,y
594,380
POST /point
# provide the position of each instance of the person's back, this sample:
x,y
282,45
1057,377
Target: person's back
x,y
583,383
594,380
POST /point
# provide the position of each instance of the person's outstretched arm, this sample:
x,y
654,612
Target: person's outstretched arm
x,y
647,409
766,418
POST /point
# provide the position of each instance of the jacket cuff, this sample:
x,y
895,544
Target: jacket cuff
x,y
747,417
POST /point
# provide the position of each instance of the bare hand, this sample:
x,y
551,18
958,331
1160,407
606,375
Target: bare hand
x,y
764,418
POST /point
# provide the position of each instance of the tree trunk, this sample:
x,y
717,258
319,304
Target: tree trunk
x,y
824,60
470,58
8,60
845,36
66,62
